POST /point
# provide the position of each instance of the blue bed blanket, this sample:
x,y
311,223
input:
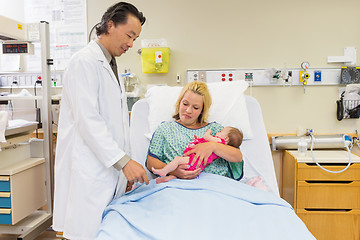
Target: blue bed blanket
x,y
209,207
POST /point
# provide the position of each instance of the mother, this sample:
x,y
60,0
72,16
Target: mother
x,y
171,138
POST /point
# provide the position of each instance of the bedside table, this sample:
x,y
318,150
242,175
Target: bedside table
x,y
328,203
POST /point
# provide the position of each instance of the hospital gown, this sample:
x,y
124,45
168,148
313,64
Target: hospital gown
x,y
171,139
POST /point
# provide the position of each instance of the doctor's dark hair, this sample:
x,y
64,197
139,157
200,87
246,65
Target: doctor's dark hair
x,y
198,88
118,13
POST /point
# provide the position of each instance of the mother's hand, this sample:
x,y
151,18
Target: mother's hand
x,y
202,152
181,172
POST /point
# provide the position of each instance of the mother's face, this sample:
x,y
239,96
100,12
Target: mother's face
x,y
191,106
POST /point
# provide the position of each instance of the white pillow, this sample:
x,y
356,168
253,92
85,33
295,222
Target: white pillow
x,y
228,105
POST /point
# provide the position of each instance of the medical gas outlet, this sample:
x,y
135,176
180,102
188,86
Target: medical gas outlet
x,y
304,75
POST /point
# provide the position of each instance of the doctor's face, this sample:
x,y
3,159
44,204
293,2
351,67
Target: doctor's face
x,y
122,36
190,108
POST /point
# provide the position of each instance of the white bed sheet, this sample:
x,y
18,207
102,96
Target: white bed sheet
x,y
256,151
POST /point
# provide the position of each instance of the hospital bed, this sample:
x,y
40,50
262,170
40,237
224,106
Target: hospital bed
x,y
210,206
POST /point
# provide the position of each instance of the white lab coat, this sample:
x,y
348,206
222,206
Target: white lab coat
x,y
93,134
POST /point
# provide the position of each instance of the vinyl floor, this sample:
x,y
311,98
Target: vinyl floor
x,y
46,235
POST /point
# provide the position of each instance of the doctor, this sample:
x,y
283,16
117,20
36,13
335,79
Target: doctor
x,y
92,160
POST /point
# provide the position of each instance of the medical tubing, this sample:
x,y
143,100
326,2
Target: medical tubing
x,y
327,170
355,142
357,139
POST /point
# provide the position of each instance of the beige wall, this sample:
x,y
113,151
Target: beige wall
x,y
253,34
12,9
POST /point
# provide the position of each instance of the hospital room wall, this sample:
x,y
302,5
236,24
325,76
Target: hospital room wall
x,y
232,34
12,9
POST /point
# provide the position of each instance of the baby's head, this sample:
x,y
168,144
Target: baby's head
x,y
231,135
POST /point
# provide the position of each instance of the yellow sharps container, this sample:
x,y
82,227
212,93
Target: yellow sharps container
x,y
155,59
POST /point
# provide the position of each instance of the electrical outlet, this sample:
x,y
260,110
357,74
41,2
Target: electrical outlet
x,y
202,76
317,76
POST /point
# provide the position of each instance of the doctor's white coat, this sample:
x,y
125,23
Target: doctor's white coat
x,y
93,134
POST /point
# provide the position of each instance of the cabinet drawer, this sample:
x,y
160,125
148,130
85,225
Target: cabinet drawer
x,y
4,184
5,216
328,195
5,200
313,172
325,225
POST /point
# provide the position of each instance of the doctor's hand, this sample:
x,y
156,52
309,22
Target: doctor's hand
x,y
134,172
202,152
181,172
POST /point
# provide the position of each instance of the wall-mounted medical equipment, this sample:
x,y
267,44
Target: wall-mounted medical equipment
x,y
310,141
348,58
304,75
350,75
268,77
335,141
27,79
348,106
18,48
155,56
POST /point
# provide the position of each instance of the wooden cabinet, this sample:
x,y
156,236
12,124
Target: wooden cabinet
x,y
328,203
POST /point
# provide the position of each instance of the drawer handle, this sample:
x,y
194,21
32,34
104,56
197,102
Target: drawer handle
x,y
4,194
327,210
329,182
5,210
330,164
4,179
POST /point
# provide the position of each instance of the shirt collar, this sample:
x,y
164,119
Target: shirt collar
x,y
105,51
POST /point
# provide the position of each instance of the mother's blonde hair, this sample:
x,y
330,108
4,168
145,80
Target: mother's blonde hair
x,y
198,88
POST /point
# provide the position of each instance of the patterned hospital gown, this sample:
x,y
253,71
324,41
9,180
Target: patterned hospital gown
x,y
171,139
